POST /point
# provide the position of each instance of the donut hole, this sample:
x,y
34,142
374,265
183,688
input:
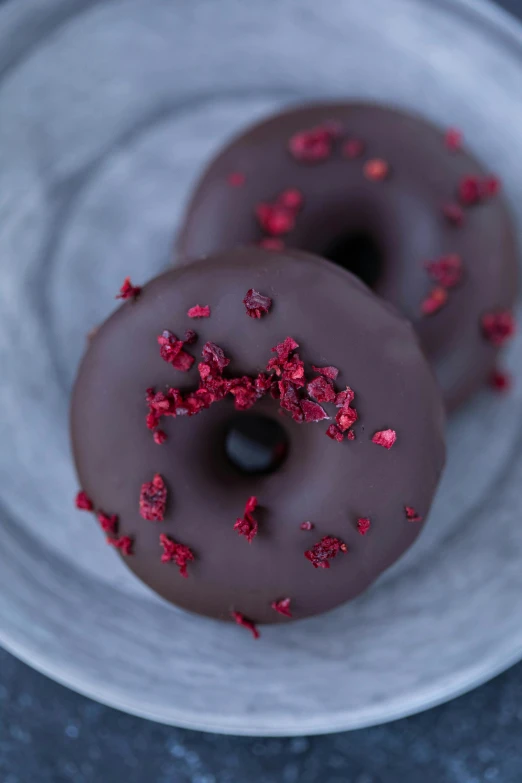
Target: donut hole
x,y
255,444
360,254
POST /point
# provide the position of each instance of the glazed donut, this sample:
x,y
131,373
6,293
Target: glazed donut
x,y
387,196
259,435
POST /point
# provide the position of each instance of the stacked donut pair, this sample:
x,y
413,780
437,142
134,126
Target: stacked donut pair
x,y
259,431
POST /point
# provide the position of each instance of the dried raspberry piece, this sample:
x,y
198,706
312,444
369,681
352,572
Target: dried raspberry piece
x,y
363,525
411,514
453,213
376,170
291,199
83,502
313,412
322,389
129,291
385,438
152,420
240,619
108,522
306,525
282,606
447,270
435,301
289,400
263,384
183,361
325,549
256,304
123,543
244,392
158,402
328,372
153,499
159,437
353,148
500,381
346,418
453,139
215,357
498,327
274,220
199,311
470,191
350,435
285,348
190,337
293,370
176,553
270,243
345,398
236,179
251,505
246,525
335,433
169,345
314,145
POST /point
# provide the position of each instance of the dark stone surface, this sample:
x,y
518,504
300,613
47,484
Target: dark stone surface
x,y
50,735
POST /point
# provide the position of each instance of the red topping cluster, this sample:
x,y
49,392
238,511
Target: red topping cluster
x,y
240,619
108,522
176,553
325,549
246,525
498,327
278,217
129,291
411,514
153,499
256,304
314,145
282,606
199,311
385,438
446,271
83,501
171,351
123,543
474,190
363,525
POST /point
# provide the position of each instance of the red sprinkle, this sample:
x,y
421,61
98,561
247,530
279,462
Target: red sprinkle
x,y
108,522
153,499
270,243
306,525
453,139
325,549
314,145
129,291
498,327
199,311
376,170
435,301
240,619
313,412
411,514
256,304
328,372
335,433
447,270
453,213
124,544
246,525
500,381
363,525
353,148
385,438
176,553
83,501
159,437
236,179
282,606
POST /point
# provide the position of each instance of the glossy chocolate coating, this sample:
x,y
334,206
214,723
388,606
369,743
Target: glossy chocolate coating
x,y
402,215
337,321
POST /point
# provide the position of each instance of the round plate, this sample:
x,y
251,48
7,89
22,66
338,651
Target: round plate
x,y
109,110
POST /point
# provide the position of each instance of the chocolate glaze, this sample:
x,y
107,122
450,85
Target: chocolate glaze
x,y
337,321
402,216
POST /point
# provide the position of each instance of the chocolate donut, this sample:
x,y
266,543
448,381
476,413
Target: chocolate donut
x,y
312,461
387,196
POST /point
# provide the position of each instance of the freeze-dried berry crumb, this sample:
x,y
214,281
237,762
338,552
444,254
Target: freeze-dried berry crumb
x,y
159,437
129,291
344,398
240,619
306,525
314,145
282,606
352,148
376,170
335,433
498,327
108,522
83,502
322,389
256,304
385,438
176,553
153,499
500,381
328,372
274,220
435,301
171,351
291,199
199,311
236,179
474,190
246,525
453,213
190,337
244,392
363,525
325,549
346,418
284,349
215,356
411,514
447,270
123,543
453,139
313,412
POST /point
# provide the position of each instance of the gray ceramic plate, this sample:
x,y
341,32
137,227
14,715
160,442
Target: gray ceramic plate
x,y
108,110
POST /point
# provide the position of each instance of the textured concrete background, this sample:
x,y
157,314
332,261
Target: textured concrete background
x,y
51,735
